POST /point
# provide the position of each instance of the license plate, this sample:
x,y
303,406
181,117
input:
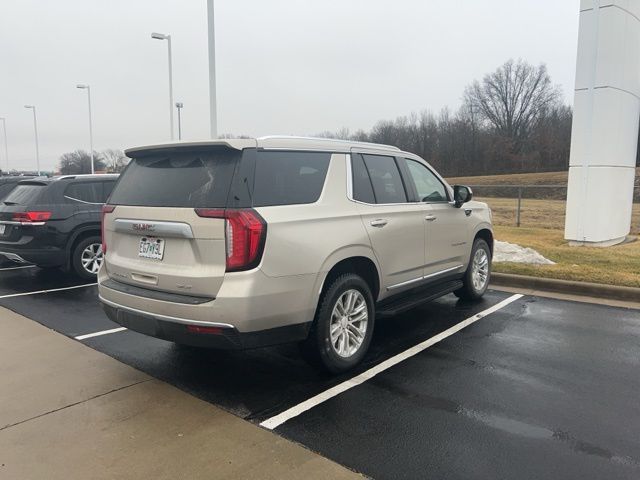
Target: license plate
x,y
151,247
2,227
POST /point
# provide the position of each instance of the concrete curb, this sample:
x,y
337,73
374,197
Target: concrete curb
x,y
597,290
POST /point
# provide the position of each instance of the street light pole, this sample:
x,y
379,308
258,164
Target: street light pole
x,y
6,145
213,114
88,89
35,129
179,106
162,36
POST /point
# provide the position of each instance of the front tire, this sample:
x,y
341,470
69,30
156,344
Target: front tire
x,y
343,327
87,257
476,278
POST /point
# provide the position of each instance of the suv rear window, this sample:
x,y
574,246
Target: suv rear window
x,y
24,195
5,188
288,178
177,179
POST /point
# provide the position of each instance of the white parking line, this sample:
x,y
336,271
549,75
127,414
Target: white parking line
x,y
16,268
98,334
47,291
292,412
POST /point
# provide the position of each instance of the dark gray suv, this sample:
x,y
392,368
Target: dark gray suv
x,y
55,222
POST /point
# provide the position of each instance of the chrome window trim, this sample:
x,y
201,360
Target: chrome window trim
x,y
404,155
350,183
424,277
82,201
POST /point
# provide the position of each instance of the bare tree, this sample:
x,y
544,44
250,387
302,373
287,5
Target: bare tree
x,y
79,162
513,99
115,159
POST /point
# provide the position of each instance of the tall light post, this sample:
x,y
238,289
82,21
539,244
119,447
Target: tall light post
x,y
86,87
35,129
6,144
213,114
162,36
179,106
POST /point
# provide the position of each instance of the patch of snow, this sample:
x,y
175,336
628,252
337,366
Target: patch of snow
x,y
510,252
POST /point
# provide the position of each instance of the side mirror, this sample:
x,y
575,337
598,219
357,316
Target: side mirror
x,y
461,194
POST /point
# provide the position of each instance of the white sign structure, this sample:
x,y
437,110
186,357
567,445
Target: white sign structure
x,y
604,137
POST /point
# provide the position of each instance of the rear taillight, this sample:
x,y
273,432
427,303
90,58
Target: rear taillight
x,y
105,209
246,232
31,218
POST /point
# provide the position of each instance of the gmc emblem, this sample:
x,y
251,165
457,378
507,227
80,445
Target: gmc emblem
x,y
144,227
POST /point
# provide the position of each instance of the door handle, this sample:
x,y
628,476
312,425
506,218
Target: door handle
x,y
380,222
430,218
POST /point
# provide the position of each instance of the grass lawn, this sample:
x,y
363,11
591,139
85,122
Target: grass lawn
x,y
540,213
542,228
618,265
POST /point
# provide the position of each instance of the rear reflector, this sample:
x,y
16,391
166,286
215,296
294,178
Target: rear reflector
x,y
31,217
205,330
105,209
246,233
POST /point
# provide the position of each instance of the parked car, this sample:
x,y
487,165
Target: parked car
x,y
245,243
9,183
55,222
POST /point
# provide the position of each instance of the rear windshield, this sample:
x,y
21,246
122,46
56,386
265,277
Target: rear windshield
x,y
6,188
24,195
171,179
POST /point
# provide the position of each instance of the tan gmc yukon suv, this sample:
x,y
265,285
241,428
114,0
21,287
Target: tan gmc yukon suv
x,y
247,243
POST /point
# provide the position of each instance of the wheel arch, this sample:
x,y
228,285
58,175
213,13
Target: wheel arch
x,y
77,236
484,232
356,259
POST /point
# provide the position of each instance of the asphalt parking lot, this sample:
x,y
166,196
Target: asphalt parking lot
x,y
531,388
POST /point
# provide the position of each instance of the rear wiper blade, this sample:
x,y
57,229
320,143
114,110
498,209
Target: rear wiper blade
x,y
10,203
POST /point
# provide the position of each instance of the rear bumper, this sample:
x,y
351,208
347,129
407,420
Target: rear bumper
x,y
247,301
220,335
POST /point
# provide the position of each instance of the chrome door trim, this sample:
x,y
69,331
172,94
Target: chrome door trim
x,y
153,228
425,277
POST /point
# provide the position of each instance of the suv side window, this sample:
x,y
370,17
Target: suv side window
x,y
289,178
385,178
85,192
429,188
362,188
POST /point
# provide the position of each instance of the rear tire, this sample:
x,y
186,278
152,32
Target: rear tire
x,y
343,327
87,257
476,278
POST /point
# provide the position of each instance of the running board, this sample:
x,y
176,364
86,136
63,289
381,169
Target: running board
x,y
412,299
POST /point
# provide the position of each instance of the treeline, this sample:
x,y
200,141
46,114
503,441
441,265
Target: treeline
x,y
513,121
79,162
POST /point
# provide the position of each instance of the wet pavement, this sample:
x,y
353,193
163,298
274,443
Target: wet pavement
x,y
538,389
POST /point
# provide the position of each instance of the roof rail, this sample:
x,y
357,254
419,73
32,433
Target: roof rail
x,y
331,140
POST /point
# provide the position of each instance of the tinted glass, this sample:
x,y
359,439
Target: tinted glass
x,y
385,178
85,192
362,189
429,188
24,195
186,179
107,188
6,188
287,178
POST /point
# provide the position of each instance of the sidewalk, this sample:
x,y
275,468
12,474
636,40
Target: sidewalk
x,y
70,412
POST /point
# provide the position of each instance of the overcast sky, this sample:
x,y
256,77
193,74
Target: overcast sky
x,y
284,66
